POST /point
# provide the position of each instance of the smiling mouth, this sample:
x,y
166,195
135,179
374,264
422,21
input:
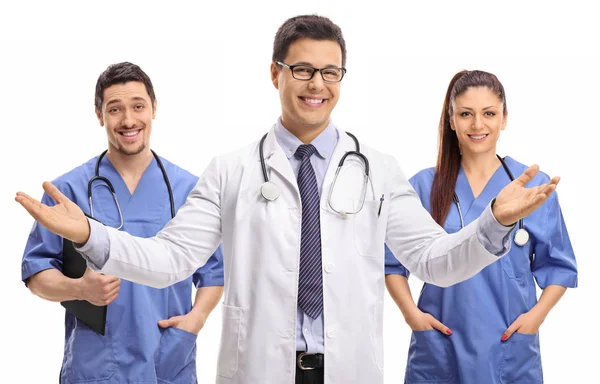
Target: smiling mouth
x,y
313,102
478,137
130,133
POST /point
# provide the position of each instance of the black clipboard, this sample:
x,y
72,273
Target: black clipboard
x,y
74,266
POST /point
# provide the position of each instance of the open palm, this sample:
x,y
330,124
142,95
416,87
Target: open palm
x,y
515,201
65,219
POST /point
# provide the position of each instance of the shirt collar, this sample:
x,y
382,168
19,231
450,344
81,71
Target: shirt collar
x,y
324,143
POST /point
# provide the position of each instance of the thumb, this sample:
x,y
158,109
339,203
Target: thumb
x,y
165,323
529,174
53,192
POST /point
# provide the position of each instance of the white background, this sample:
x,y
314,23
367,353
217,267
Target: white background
x,y
210,67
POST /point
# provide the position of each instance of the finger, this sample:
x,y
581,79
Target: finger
x,y
529,174
548,189
112,292
441,327
31,205
166,323
110,279
23,195
112,285
54,193
111,299
510,330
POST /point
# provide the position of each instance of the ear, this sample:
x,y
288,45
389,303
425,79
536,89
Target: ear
x,y
154,109
451,120
505,119
275,75
99,116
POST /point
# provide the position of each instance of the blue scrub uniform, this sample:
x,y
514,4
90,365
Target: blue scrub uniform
x,y
135,349
480,309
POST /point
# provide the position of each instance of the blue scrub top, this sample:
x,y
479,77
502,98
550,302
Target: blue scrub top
x,y
480,309
135,349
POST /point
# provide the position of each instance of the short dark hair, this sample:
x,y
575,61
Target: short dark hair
x,y
121,73
309,27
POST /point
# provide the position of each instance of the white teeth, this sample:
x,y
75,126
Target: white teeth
x,y
130,133
477,137
314,101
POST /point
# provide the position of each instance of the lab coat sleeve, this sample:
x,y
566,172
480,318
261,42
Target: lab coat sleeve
x,y
554,262
211,274
185,244
425,249
393,266
43,249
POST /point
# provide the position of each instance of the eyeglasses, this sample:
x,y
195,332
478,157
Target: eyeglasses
x,y
305,72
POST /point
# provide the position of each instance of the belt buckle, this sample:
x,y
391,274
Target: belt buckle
x,y
299,362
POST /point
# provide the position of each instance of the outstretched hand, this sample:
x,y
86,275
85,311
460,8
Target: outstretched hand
x,y
65,219
515,201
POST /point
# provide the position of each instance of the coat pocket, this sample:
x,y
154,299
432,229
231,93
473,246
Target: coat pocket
x,y
176,357
227,365
429,358
522,362
366,235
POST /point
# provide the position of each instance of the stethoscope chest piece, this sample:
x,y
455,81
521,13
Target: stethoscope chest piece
x,y
270,191
521,237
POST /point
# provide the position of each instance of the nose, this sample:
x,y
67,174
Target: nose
x,y
128,119
478,122
316,83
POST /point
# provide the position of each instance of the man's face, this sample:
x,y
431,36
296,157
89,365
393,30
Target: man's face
x,y
127,114
307,104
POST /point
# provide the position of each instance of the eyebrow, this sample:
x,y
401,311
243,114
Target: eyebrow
x,y
116,101
311,65
470,109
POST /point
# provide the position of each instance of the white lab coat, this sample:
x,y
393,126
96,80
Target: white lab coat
x,y
261,246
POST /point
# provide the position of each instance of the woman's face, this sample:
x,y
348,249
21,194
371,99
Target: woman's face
x,y
477,119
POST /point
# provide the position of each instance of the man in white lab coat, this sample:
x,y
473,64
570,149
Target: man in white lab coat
x,y
303,255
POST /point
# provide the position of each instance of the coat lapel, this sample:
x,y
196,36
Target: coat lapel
x,y
277,161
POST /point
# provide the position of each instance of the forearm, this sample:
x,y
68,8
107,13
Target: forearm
x,y
176,252
550,296
52,285
426,250
399,290
206,300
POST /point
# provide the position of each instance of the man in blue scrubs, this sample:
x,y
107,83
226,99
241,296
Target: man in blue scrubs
x,y
150,334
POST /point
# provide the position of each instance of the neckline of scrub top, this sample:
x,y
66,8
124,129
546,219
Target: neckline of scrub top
x,y
151,179
471,205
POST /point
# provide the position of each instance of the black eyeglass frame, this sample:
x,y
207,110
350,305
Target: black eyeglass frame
x,y
320,70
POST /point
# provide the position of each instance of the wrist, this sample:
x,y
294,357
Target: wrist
x,y
411,313
198,314
539,313
85,235
500,218
76,288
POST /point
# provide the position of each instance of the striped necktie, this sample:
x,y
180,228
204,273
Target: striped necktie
x,y
310,283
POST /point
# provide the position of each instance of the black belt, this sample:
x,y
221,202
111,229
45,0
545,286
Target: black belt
x,y
308,361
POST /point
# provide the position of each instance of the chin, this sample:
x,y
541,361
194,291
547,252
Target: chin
x,y
314,121
132,150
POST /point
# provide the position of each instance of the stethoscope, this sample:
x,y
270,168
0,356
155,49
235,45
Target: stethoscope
x,y
97,177
271,191
521,235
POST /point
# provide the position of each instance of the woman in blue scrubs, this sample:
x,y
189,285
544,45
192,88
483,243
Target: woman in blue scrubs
x,y
485,329
150,334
